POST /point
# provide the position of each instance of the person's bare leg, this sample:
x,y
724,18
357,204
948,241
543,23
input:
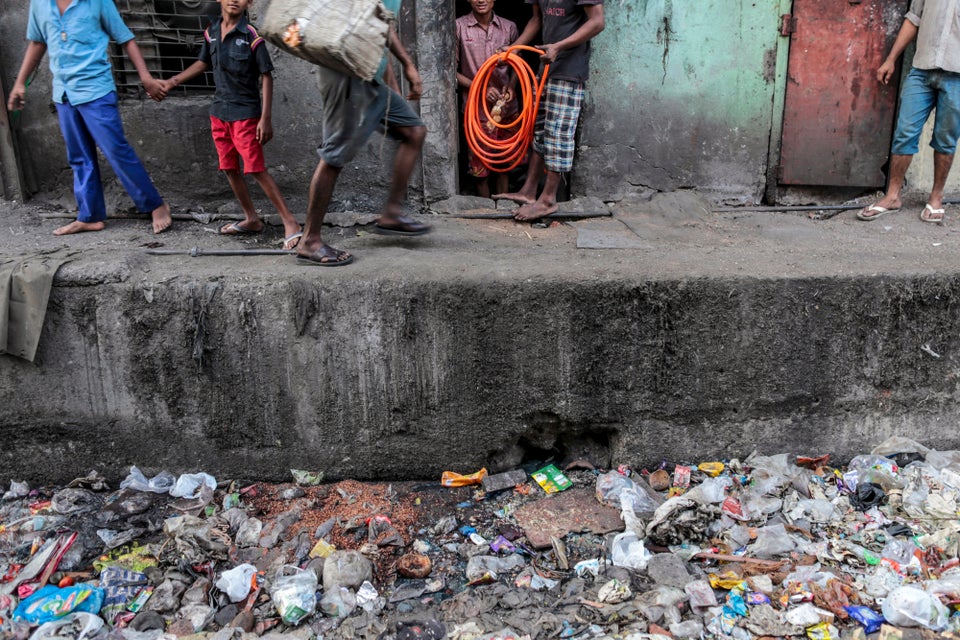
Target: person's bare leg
x,y
891,199
483,187
79,227
528,192
545,204
941,169
290,225
251,221
501,183
411,142
312,247
161,218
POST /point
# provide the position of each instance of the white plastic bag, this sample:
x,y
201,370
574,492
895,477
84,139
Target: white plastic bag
x,y
236,582
160,483
629,551
189,485
910,606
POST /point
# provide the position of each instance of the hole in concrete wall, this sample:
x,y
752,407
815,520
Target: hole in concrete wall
x,y
548,438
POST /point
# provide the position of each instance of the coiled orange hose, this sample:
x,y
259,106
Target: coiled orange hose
x,y
503,155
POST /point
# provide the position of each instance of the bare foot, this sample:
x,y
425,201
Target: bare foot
x,y
161,218
79,227
515,197
534,211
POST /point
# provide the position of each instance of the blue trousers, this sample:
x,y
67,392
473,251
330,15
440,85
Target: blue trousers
x,y
97,124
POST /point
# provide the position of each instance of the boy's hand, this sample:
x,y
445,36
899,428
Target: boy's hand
x,y
155,88
493,94
264,131
416,84
17,98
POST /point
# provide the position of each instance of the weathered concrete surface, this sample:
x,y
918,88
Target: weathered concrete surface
x,y
681,95
486,342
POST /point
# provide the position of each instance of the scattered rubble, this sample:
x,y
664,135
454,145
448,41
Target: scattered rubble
x,y
770,546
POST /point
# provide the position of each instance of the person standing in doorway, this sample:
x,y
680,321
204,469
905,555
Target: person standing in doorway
x,y
76,34
932,83
352,109
481,34
568,26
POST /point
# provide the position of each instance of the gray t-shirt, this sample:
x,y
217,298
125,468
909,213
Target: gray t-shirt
x,y
938,38
561,19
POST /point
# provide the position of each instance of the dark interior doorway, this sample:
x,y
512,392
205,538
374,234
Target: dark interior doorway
x,y
518,12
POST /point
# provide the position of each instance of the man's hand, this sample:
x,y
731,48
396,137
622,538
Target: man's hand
x,y
550,53
155,88
264,131
17,98
416,84
885,71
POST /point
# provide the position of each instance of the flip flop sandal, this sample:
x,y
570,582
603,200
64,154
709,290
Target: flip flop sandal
x,y
290,238
876,211
236,230
929,214
335,258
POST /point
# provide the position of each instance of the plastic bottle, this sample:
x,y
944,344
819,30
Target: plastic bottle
x,y
863,553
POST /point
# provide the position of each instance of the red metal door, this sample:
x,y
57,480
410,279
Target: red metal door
x,y
838,120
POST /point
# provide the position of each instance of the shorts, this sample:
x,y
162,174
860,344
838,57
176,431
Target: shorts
x,y
352,109
235,140
554,133
923,91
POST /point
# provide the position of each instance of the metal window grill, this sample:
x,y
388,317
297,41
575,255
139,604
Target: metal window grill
x,y
169,34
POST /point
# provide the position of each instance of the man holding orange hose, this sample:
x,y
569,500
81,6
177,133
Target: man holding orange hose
x,y
568,26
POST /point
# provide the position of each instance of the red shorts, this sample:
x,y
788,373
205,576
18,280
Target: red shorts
x,y
236,140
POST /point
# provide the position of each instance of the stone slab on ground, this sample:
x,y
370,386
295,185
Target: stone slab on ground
x,y
572,511
668,570
607,234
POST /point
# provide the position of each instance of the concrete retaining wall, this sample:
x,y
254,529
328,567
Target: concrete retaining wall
x,y
403,378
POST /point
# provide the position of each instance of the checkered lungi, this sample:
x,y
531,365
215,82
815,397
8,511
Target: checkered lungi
x,y
556,126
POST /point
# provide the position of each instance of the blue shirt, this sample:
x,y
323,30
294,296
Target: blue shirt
x,y
77,45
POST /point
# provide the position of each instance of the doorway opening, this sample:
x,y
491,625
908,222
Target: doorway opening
x,y
519,13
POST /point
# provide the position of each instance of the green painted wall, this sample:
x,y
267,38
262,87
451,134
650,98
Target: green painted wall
x,y
682,94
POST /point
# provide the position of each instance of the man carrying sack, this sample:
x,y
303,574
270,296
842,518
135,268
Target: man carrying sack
x,y
352,109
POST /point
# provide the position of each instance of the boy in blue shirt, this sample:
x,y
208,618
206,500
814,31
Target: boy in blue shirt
x,y
240,124
76,34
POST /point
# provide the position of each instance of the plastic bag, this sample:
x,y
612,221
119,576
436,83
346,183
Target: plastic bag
x,y
453,479
910,606
236,582
294,593
160,483
870,619
772,541
629,551
189,485
338,603
635,501
50,603
82,625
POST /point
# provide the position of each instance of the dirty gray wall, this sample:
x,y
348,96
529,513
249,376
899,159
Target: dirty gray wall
x,y
173,137
251,375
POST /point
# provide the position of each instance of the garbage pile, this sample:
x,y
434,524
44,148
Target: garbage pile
x,y
767,547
